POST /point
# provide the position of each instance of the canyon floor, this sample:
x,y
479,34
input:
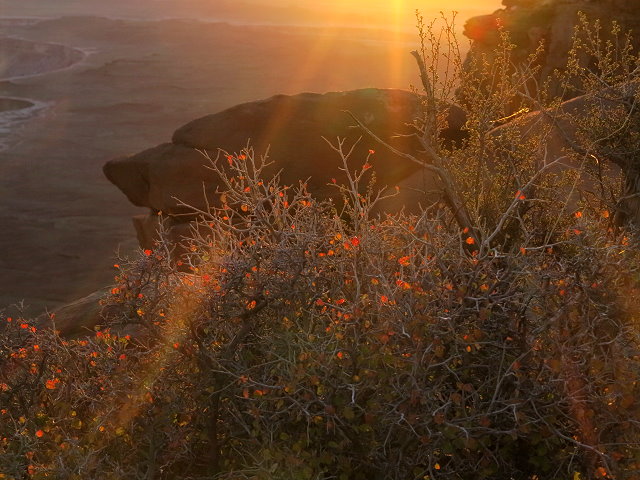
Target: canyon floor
x,y
61,221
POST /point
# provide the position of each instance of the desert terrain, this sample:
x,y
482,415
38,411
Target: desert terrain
x,y
120,86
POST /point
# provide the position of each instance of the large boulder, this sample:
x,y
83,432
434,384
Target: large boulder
x,y
294,130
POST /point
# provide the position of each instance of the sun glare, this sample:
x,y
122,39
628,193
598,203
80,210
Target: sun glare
x,y
399,12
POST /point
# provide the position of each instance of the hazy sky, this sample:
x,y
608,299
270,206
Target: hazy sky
x,y
394,11
390,13
482,5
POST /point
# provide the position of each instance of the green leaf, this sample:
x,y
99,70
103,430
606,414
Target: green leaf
x,y
348,413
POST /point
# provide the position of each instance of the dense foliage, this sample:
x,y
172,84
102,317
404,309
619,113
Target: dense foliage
x,y
287,340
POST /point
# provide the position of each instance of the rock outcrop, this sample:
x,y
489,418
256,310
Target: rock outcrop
x,y
551,22
293,129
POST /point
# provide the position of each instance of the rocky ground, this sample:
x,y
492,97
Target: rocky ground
x,y
61,220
